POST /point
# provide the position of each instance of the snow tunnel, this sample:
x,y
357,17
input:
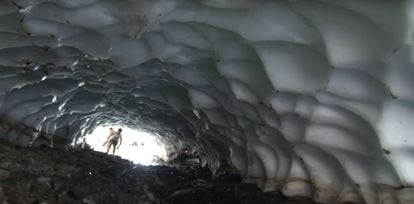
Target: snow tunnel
x,y
311,97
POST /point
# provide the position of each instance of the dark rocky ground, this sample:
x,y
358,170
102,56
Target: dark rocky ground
x,y
44,175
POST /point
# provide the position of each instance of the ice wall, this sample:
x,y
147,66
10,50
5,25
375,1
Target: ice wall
x,y
313,97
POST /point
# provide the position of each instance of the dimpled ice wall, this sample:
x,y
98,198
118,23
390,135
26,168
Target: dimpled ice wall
x,y
312,97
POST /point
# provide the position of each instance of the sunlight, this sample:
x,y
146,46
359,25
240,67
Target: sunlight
x,y
138,147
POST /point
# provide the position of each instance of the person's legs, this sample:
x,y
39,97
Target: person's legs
x,y
108,147
114,143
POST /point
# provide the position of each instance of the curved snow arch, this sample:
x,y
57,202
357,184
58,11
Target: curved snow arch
x,y
311,97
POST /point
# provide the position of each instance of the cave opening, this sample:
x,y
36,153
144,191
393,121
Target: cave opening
x,y
137,146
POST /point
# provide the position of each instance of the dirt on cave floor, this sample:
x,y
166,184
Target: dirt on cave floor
x,y
45,175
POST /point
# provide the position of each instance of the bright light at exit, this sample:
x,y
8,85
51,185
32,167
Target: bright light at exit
x,y
138,147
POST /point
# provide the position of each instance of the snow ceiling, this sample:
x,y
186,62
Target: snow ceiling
x,y
312,97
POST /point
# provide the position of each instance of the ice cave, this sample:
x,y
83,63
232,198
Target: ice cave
x,y
314,98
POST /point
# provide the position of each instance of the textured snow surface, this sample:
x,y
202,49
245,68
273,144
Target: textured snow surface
x,y
312,97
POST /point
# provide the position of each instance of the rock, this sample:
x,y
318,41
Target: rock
x,y
67,170
4,174
39,175
4,128
89,200
67,198
199,182
3,199
58,184
5,164
50,201
44,179
149,194
180,193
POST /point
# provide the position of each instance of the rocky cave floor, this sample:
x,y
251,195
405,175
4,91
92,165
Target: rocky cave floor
x,y
45,175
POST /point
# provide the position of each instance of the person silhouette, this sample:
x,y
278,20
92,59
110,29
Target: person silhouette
x,y
113,140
